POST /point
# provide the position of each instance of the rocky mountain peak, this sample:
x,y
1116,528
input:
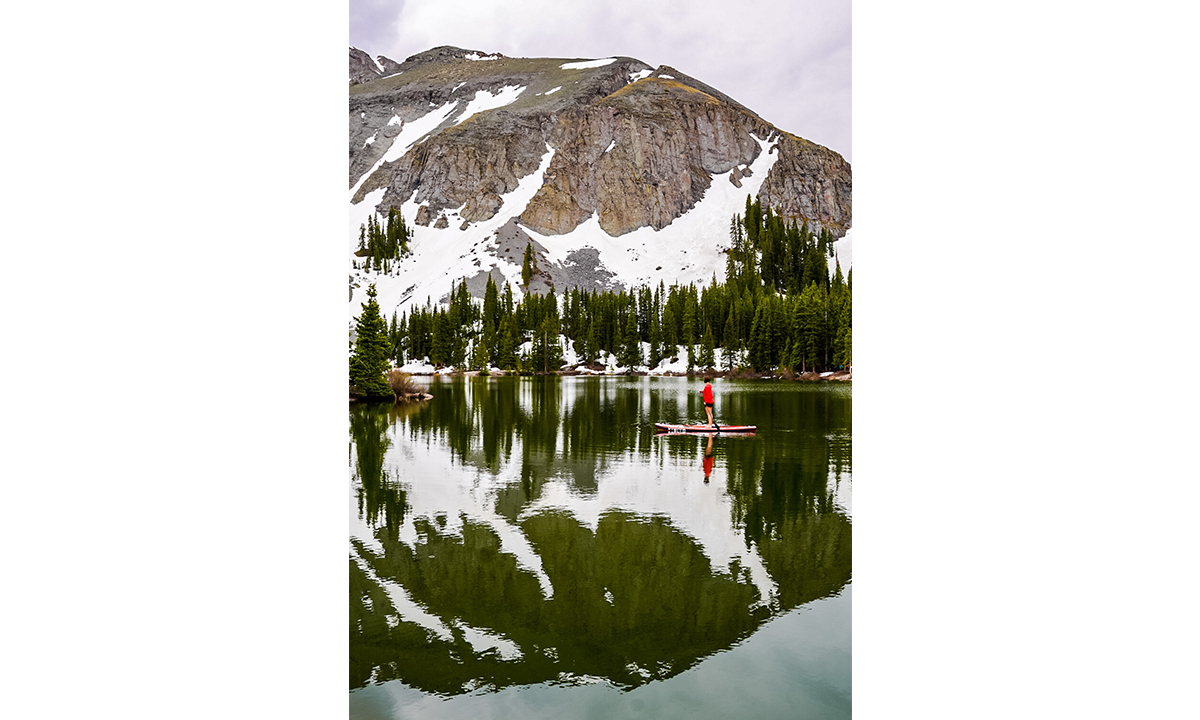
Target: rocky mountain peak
x,y
364,68
463,142
444,53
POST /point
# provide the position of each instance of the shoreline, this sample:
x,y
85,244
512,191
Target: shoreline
x,y
788,375
602,371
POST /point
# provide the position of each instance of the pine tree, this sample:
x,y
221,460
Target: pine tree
x,y
369,363
631,346
592,346
487,341
730,341
540,351
841,313
689,332
529,266
707,349
669,331
757,343
478,356
395,338
841,341
442,351
507,351
458,351
491,304
656,355
843,356
810,326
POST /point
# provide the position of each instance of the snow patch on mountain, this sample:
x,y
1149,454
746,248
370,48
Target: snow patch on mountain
x,y
689,250
485,100
635,76
441,258
587,64
684,251
359,214
843,253
410,133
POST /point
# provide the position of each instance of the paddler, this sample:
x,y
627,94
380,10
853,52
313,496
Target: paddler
x,y
707,394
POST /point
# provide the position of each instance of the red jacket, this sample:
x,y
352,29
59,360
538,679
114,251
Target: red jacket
x,y
707,393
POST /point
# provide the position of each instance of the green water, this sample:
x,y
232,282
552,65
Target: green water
x,y
529,547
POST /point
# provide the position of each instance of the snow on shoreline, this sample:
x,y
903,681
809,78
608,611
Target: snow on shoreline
x,y
673,364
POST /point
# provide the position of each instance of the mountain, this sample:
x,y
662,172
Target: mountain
x,y
617,173
364,68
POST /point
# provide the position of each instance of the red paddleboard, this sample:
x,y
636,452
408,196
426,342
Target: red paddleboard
x,y
668,428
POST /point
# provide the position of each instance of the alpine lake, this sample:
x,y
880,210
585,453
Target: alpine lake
x,y
530,547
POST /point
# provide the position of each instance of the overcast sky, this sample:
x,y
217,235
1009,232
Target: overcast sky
x,y
788,60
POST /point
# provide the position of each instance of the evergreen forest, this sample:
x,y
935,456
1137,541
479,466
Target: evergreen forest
x,y
379,245
777,307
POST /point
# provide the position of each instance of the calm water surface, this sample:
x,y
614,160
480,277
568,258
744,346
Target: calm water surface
x,y
529,547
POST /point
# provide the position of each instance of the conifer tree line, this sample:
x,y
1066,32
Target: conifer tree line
x,y
778,307
379,246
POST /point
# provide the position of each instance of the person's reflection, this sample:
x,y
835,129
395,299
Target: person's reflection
x,y
708,458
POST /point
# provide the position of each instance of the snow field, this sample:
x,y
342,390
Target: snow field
x,y
442,257
587,64
485,100
684,251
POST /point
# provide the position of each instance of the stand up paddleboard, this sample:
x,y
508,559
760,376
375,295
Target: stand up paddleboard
x,y
668,428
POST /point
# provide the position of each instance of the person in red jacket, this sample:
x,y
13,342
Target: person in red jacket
x,y
707,393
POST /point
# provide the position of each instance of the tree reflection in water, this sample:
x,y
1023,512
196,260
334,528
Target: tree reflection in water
x,y
524,562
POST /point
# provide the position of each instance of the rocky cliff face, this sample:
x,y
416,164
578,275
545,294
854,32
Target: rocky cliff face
x,y
449,135
365,69
636,146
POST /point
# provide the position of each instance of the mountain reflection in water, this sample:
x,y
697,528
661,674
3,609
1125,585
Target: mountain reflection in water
x,y
516,531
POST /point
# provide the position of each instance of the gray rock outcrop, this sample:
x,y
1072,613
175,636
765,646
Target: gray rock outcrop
x,y
636,154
